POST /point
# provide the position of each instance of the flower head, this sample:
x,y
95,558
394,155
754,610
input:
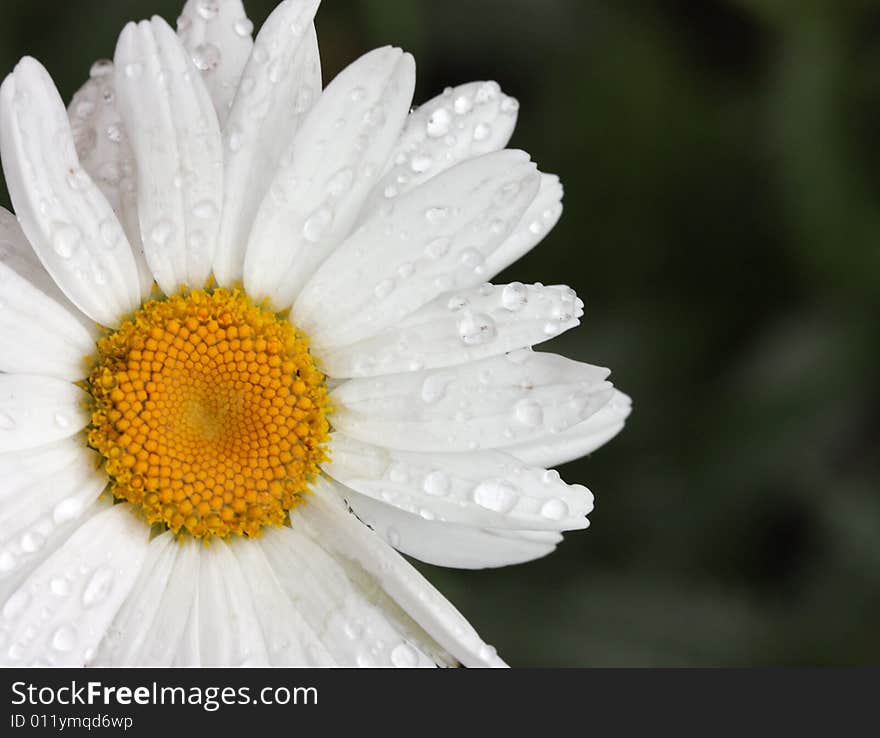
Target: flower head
x,y
256,315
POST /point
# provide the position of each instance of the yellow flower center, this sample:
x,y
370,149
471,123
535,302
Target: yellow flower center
x,y
209,412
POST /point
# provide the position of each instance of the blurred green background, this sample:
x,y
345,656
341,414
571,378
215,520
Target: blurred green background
x,y
721,162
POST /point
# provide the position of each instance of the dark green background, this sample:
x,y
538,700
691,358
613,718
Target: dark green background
x,y
722,170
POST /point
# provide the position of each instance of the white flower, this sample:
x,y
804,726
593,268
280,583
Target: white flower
x,y
199,408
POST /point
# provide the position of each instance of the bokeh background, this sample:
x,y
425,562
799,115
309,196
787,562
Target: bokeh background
x,y
721,161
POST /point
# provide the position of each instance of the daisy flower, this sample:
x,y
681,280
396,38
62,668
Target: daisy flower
x,y
250,351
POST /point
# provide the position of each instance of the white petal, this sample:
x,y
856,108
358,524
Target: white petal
x,y
17,254
348,538
278,86
59,615
46,494
176,139
37,410
356,622
536,223
481,489
149,626
218,37
489,403
290,640
37,334
229,632
105,153
579,440
458,327
431,240
66,217
448,544
465,121
327,173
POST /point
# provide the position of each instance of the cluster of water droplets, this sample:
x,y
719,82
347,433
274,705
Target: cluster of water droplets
x,y
61,597
462,122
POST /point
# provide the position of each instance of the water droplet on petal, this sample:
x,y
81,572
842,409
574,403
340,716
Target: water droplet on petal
x,y
438,123
436,215
404,656
476,329
208,9
421,163
529,413
384,288
101,68
437,484
133,71
514,296
7,422
64,638
66,240
59,587
32,541
482,131
555,509
434,388
438,248
206,57
244,27
463,104
317,224
206,210
161,232
497,495
99,587
66,510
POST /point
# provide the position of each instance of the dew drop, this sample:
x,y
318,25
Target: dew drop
x,y
436,215
482,131
61,420
206,210
437,484
462,105
434,388
101,68
476,329
66,510
398,474
509,105
208,9
161,232
421,163
529,413
340,182
32,541
404,656
555,509
316,225
514,296
438,248
497,495
59,587
244,27
66,240
384,288
110,233
134,71
438,123
206,57
64,638
7,422
99,587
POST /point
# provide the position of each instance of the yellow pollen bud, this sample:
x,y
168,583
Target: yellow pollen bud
x,y
201,402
